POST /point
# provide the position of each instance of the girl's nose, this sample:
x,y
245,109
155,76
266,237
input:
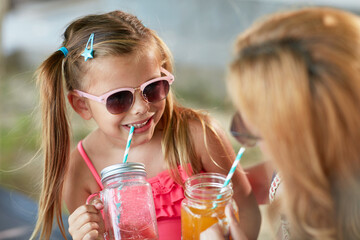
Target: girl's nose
x,y
140,105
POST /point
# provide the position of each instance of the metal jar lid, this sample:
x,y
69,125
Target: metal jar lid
x,y
122,168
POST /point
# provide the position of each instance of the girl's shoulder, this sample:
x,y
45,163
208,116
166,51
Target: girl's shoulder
x,y
206,129
78,181
211,142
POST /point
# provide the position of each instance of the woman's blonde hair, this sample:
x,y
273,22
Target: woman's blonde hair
x,y
116,34
296,78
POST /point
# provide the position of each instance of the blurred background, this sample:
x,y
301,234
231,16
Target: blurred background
x,y
200,34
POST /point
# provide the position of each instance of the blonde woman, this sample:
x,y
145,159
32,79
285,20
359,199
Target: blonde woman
x,y
295,81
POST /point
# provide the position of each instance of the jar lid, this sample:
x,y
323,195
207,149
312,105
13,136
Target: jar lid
x,y
122,168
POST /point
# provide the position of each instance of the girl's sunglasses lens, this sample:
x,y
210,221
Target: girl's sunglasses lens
x,y
156,91
119,102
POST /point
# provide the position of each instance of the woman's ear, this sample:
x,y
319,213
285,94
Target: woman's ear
x,y
80,105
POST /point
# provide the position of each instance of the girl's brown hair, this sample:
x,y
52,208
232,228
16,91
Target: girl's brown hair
x,y
116,33
296,78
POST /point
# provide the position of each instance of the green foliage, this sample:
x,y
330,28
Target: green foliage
x,y
23,135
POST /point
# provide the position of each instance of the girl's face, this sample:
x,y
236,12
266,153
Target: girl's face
x,y
113,72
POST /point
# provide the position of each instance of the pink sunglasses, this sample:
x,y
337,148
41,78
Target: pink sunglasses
x,y
121,100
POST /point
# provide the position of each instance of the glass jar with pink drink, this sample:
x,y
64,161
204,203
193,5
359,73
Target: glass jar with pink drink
x,y
129,212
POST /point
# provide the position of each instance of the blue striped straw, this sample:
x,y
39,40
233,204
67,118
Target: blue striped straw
x,y
131,133
231,172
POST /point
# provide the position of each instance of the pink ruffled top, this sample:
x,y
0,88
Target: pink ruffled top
x,y
167,199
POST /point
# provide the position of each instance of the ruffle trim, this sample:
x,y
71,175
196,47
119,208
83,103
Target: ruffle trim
x,y
167,194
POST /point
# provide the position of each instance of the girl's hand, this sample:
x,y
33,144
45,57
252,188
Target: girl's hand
x,y
215,232
86,222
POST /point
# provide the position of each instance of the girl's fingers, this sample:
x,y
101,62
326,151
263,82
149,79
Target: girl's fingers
x,y
93,235
81,210
88,227
85,223
98,204
88,230
88,217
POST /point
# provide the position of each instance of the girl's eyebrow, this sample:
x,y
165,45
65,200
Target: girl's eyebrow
x,y
155,75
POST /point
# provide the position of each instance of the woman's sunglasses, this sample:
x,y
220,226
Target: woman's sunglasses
x,y
121,100
240,132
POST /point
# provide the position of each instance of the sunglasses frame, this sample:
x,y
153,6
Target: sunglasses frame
x,y
103,98
241,133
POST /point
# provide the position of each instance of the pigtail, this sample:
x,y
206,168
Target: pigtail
x,y
177,143
176,134
56,144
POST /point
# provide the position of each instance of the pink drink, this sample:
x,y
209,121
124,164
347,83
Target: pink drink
x,y
129,211
129,214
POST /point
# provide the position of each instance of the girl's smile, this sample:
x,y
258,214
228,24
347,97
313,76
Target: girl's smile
x,y
140,126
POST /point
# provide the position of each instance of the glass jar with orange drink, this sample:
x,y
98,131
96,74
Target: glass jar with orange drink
x,y
204,204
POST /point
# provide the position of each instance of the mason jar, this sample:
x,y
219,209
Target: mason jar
x,y
129,211
204,204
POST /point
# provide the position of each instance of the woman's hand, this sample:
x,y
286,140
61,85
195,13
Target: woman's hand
x,y
215,232
86,222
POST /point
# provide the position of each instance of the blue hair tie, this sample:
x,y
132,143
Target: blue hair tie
x,y
88,52
64,51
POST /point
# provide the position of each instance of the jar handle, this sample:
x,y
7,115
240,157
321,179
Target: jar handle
x,y
93,197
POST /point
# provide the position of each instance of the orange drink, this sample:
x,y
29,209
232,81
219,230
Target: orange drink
x,y
204,204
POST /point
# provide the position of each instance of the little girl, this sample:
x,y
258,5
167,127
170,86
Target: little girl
x,y
118,73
